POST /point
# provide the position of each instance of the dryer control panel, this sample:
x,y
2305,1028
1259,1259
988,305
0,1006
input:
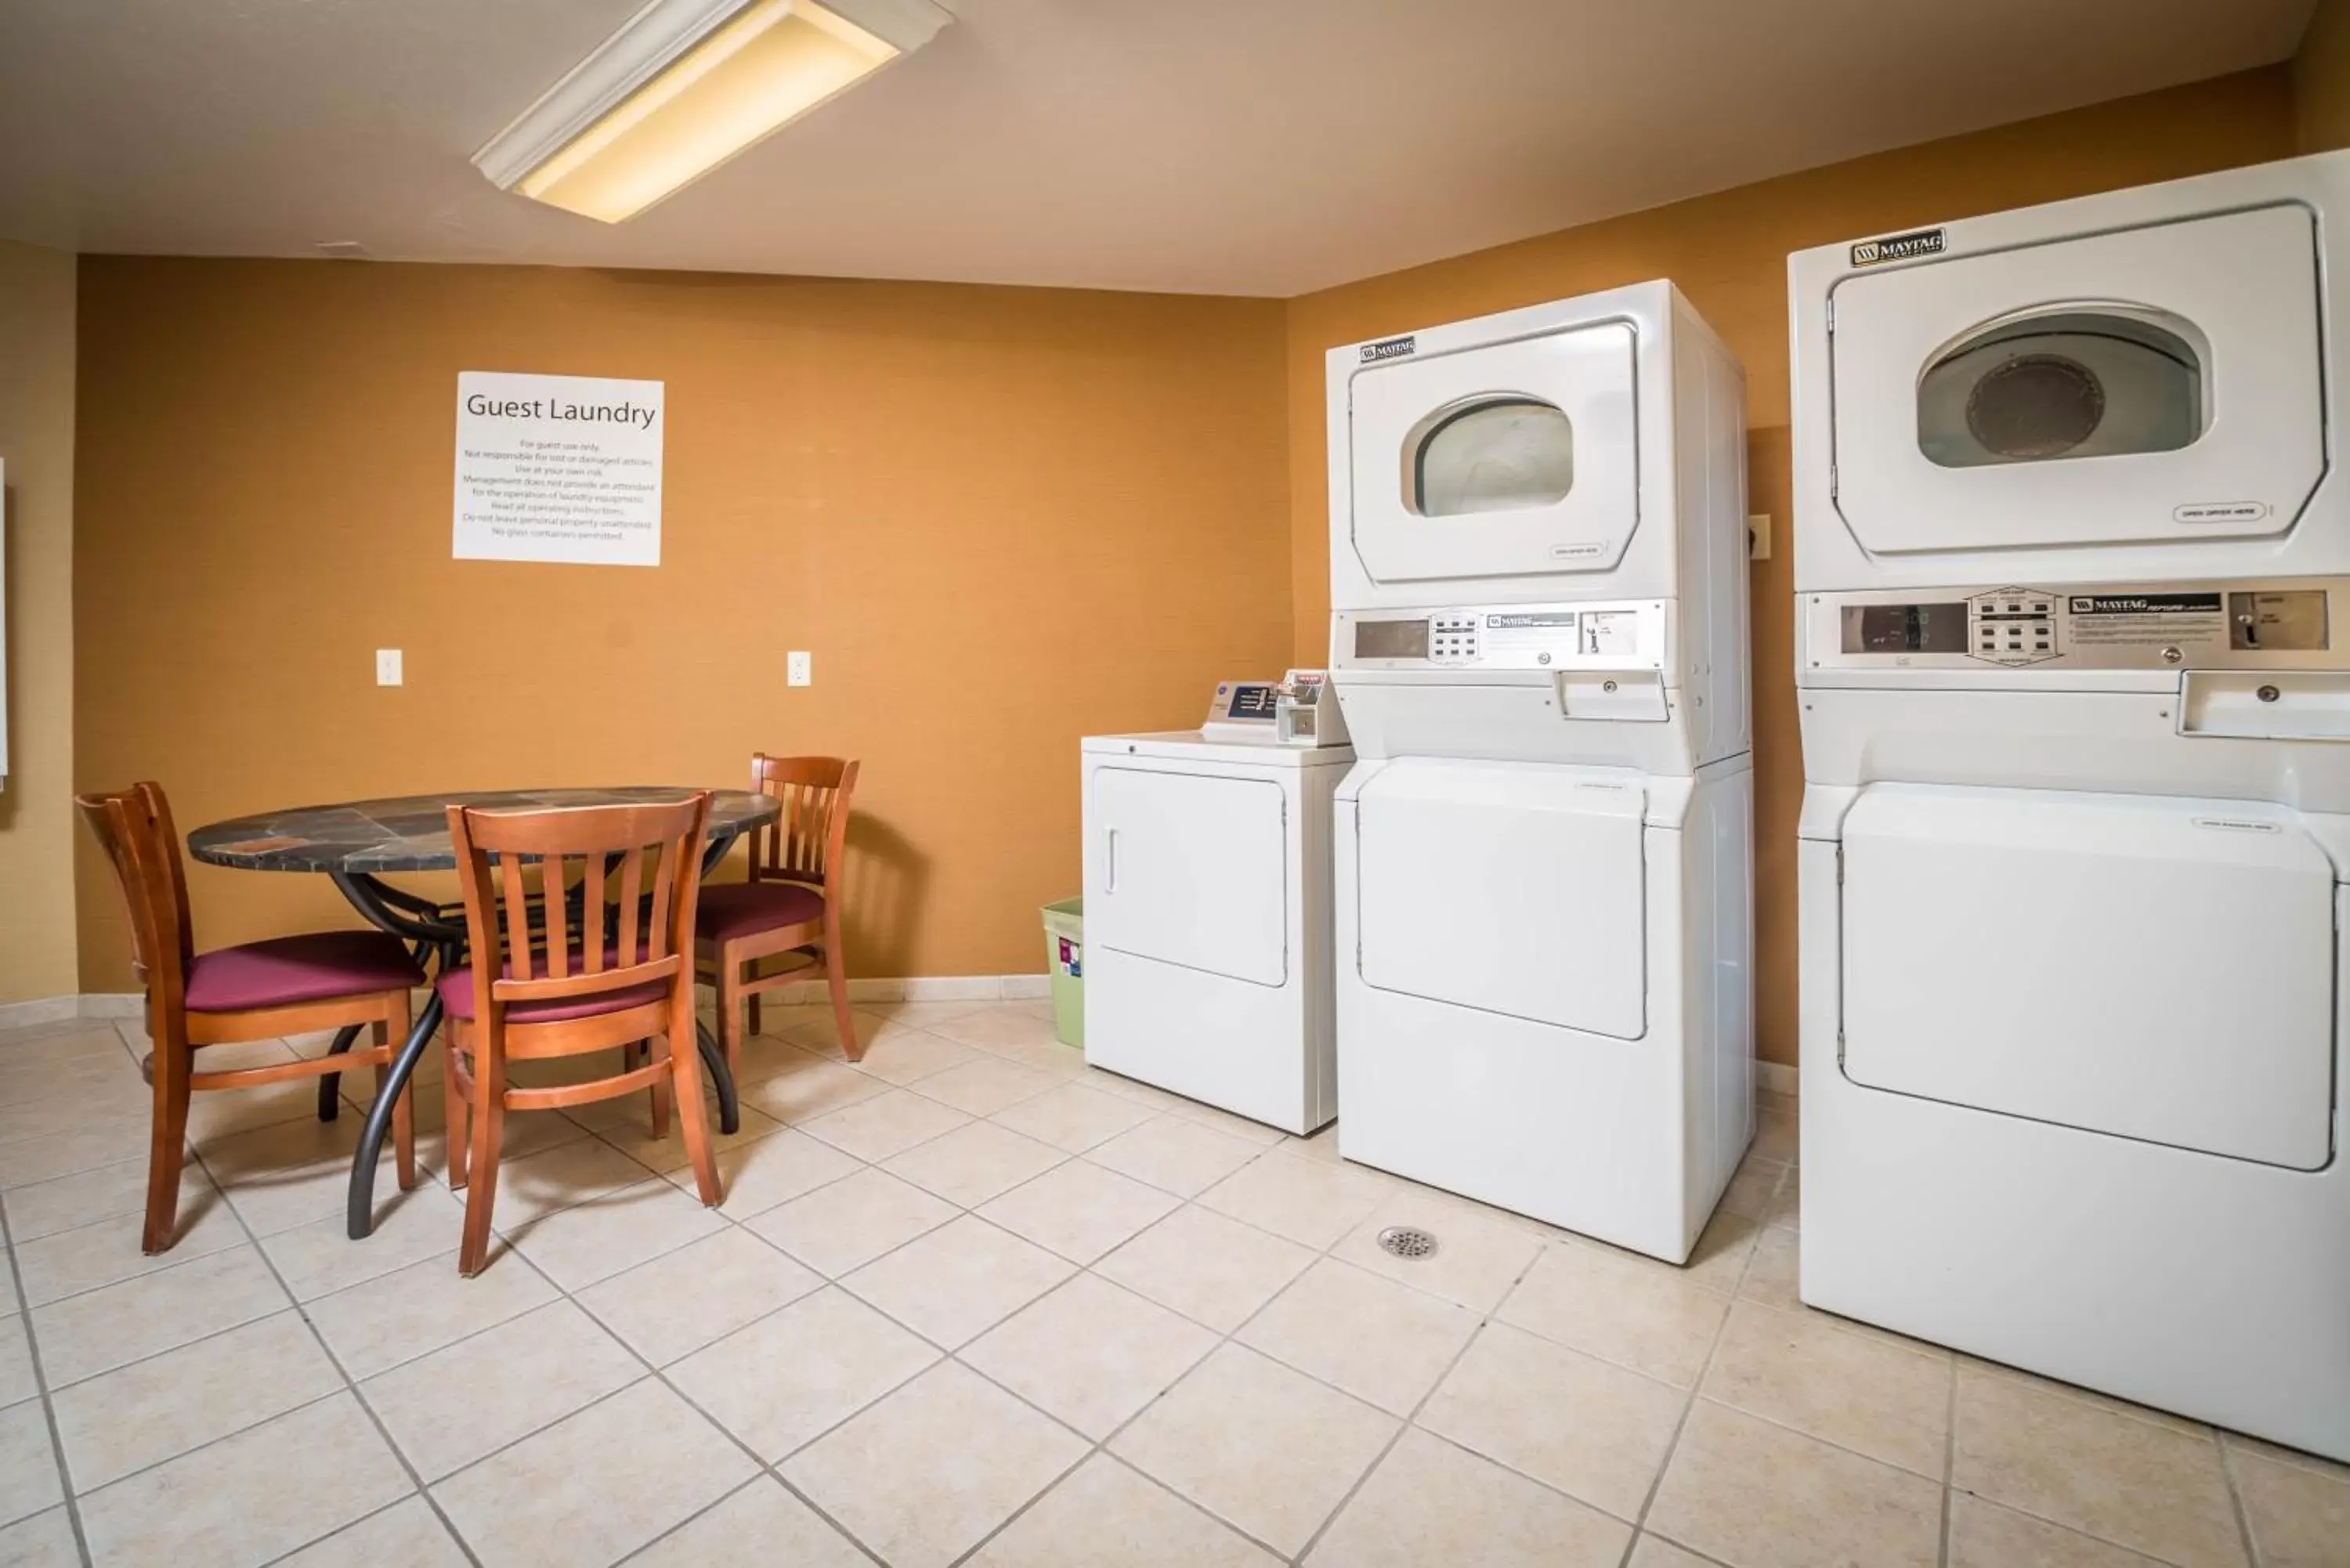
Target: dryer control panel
x,y
2288,624
1627,634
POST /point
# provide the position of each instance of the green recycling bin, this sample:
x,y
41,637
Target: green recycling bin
x,y
1065,960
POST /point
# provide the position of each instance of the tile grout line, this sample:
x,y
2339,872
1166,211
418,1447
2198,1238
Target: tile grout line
x,y
2236,1501
1949,1462
41,1388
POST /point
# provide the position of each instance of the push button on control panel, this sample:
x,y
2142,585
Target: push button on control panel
x,y
1453,638
2012,625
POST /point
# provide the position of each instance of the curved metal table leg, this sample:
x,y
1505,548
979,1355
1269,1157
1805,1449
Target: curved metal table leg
x,y
330,1086
730,1108
360,1212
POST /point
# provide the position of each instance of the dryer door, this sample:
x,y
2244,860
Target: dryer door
x,y
1512,887
1515,459
1195,871
2151,967
2157,384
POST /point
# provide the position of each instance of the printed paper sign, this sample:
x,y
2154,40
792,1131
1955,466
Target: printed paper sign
x,y
558,468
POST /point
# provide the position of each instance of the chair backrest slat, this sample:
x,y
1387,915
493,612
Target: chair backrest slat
x,y
134,827
806,840
633,890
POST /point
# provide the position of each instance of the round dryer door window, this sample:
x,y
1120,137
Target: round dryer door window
x,y
2074,384
1496,453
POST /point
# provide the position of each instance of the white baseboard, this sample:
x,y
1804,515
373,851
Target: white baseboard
x,y
923,987
40,1010
113,1005
1776,1076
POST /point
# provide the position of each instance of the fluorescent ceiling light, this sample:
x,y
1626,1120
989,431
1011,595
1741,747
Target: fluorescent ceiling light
x,y
685,86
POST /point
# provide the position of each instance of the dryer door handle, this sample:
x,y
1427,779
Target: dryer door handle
x,y
1109,873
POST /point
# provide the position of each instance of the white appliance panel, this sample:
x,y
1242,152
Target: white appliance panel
x,y
2233,296
1583,376
1195,871
1510,887
2145,966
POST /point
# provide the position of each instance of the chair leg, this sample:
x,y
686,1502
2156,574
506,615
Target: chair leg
x,y
489,1127
389,1035
692,1114
168,1145
836,978
754,1025
729,1007
455,1126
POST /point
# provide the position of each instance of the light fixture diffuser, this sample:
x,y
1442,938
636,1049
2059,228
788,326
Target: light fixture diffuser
x,y
686,85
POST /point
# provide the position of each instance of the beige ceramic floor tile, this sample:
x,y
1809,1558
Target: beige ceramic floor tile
x,y
406,1535
102,1140
634,1137
49,1206
677,1304
2299,1516
1313,1203
325,1465
1755,1189
928,1012
28,1465
1985,1535
961,1455
1377,1340
1787,1209
1429,1502
320,1257
1072,1117
449,1408
975,1163
999,1029
17,1380
773,1170
1169,1152
1773,1271
1478,1255
1573,1421
1269,1450
1656,1551
887,1123
1213,1270
1043,1051
2112,1475
571,1173
86,1334
599,1483
761,1523
106,1250
1633,1315
1776,1128
44,1540
415,1311
1079,1209
1862,1394
801,1090
904,1056
959,1280
814,1029
1761,1496
1318,1145
1104,1513
786,1379
159,1409
986,1085
841,1228
1090,1354
614,1232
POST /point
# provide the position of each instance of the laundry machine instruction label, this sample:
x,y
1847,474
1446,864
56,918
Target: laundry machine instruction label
x,y
2161,620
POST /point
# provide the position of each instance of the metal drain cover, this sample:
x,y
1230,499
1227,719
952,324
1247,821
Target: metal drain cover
x,y
1407,1241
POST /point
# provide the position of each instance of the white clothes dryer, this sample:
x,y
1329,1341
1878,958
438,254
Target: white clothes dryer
x,y
2072,640
1538,581
1208,923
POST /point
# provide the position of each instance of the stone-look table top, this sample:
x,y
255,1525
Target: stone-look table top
x,y
411,833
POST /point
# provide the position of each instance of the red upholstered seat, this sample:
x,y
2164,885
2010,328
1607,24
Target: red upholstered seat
x,y
733,909
456,988
286,970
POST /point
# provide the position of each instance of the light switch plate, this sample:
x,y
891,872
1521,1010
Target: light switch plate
x,y
1758,535
386,666
797,669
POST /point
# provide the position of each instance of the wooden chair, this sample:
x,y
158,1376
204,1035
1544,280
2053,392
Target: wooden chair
x,y
255,990
790,903
604,973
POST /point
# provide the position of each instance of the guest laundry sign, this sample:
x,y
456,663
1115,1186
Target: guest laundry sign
x,y
558,468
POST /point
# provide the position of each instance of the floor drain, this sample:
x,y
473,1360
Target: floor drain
x,y
1407,1241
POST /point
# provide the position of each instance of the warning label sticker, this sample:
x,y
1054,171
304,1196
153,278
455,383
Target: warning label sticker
x,y
2164,618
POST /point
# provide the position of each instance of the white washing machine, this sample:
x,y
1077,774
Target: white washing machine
x,y
1538,580
2073,648
1207,881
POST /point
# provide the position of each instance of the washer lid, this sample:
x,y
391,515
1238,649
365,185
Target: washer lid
x,y
2151,967
2158,384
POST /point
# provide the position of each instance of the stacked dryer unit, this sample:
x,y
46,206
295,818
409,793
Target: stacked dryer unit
x,y
1538,579
2072,621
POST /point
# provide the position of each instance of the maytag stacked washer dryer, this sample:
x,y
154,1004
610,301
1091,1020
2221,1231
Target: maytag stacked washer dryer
x,y
1538,579
2074,644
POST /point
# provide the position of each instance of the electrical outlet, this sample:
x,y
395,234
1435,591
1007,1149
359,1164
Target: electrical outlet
x,y
796,670
1758,535
386,666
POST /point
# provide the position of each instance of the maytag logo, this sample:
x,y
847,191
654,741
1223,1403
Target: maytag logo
x,y
1898,247
1387,348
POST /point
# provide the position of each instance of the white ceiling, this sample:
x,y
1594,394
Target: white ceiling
x,y
1225,146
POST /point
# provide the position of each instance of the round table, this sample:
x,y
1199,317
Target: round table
x,y
354,843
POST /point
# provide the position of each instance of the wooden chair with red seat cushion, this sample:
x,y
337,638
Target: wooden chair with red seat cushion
x,y
256,991
790,903
612,971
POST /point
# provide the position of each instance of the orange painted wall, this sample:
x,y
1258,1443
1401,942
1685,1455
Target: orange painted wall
x,y
1000,519
1727,252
